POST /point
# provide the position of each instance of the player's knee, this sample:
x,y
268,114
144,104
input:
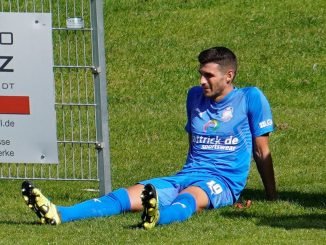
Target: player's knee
x,y
187,201
134,197
199,195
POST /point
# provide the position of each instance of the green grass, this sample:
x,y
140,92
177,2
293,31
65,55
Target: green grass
x,y
151,49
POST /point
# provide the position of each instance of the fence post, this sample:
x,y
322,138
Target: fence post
x,y
102,118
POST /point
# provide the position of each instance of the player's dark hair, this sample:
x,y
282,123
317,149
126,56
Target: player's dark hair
x,y
219,55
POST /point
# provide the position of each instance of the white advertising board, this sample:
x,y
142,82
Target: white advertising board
x,y
27,106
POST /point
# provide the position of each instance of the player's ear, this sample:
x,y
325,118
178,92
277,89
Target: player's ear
x,y
229,75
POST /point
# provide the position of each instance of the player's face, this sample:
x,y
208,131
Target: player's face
x,y
215,81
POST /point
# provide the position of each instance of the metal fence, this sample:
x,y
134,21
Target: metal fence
x,y
80,93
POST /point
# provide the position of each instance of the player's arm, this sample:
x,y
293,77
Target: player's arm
x,y
190,141
264,162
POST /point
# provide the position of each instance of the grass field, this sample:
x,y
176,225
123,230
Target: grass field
x,y
151,50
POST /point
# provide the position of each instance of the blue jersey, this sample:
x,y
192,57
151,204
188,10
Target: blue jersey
x,y
222,134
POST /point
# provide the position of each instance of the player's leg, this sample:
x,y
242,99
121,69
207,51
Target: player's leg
x,y
117,202
189,201
134,193
156,194
184,205
113,203
201,194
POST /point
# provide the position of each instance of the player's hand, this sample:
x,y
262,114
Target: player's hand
x,y
243,204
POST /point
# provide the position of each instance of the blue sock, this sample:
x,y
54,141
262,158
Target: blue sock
x,y
180,209
113,203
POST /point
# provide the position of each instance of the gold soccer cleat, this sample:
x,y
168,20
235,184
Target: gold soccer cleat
x,y
151,213
44,209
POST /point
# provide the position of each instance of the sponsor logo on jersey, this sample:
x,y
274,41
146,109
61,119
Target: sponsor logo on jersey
x,y
266,123
211,126
229,143
227,114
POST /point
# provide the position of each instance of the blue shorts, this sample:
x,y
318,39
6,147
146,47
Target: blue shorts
x,y
168,188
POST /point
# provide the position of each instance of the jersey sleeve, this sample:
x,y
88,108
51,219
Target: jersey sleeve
x,y
259,113
192,93
188,110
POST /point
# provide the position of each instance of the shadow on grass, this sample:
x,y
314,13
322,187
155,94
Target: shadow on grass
x,y
307,200
289,222
305,221
316,201
12,222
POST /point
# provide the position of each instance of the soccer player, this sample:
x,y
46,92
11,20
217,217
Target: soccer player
x,y
226,127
